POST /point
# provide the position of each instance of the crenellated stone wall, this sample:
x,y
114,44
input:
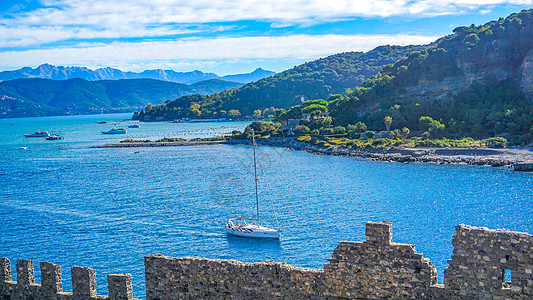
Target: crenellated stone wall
x,y
51,287
376,268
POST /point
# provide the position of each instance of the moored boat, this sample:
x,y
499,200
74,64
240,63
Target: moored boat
x,y
134,126
115,131
240,227
54,137
38,134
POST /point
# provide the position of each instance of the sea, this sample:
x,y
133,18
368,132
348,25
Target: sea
x,y
107,208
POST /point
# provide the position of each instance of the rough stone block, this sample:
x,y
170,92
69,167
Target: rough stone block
x,y
83,282
51,278
25,272
5,269
120,287
379,232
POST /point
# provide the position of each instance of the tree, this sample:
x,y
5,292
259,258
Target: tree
x,y
360,127
301,130
339,130
405,132
432,127
388,122
257,113
194,109
234,113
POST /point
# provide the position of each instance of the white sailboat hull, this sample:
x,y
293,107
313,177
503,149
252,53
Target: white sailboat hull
x,y
253,231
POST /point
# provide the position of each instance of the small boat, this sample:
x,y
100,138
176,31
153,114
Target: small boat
x,y
23,147
115,131
38,134
240,227
54,137
134,126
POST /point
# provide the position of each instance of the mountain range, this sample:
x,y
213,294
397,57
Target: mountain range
x,y
47,71
33,97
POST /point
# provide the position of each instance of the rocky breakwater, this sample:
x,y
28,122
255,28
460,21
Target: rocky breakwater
x,y
157,144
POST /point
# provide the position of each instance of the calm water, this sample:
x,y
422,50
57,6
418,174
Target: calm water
x,y
69,204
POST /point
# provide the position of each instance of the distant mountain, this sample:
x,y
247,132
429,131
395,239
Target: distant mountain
x,y
43,97
47,71
249,77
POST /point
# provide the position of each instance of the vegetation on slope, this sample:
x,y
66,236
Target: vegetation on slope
x,y
490,106
312,80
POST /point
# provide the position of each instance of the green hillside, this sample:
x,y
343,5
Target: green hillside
x,y
41,97
317,79
475,82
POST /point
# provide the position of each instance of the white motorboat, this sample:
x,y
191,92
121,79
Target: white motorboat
x,y
38,134
253,229
115,131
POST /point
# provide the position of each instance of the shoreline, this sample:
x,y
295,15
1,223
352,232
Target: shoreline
x,y
496,157
519,159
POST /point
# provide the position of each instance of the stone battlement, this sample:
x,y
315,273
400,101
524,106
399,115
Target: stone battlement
x,y
51,287
376,268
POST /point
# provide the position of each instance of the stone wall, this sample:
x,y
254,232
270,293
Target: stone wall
x,y
376,268
51,287
200,278
480,260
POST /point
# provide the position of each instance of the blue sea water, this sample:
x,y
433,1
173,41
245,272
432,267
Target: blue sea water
x,y
67,203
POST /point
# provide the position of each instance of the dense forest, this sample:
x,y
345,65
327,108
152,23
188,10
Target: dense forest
x,y
44,97
316,79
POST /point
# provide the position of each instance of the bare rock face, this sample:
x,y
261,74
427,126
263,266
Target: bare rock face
x,y
492,65
526,82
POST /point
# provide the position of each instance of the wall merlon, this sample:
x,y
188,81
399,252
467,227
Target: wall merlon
x,y
379,232
51,278
5,269
120,287
25,272
83,281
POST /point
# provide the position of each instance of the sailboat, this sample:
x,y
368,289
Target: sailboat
x,y
250,227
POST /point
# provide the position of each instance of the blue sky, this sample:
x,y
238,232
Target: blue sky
x,y
223,36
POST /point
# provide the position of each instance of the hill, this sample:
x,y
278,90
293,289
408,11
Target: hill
x,y
312,80
47,71
476,82
43,97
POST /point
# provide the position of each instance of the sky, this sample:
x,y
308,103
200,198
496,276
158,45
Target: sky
x,y
223,36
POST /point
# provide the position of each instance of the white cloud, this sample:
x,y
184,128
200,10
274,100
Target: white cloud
x,y
117,12
38,35
66,20
204,52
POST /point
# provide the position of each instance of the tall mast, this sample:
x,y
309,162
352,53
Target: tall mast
x,y
255,177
